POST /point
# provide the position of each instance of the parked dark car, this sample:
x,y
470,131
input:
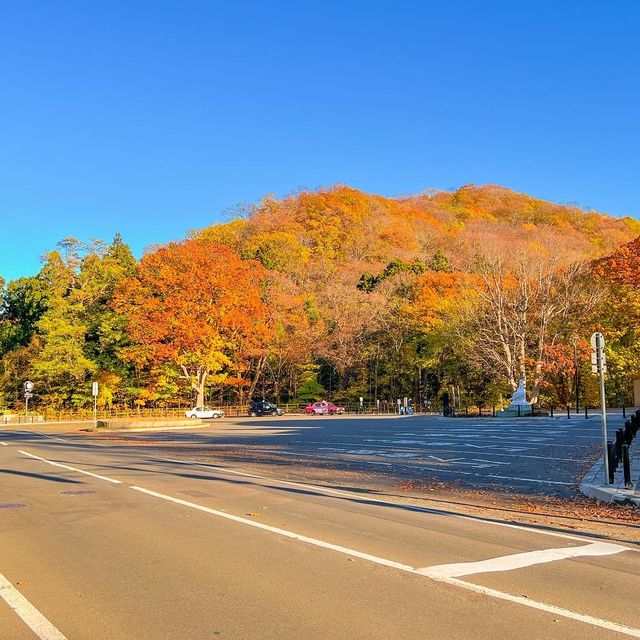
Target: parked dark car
x,y
261,408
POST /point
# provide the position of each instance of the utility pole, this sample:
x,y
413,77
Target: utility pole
x,y
599,366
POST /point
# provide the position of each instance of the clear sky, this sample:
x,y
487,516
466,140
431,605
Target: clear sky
x,y
154,117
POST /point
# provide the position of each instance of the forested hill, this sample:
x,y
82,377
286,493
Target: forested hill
x,y
349,230
332,294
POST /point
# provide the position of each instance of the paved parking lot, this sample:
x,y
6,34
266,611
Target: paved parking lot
x,y
524,455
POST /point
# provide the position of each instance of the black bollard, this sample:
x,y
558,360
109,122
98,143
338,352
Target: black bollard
x,y
518,411
568,413
586,412
624,411
626,466
494,410
552,411
611,453
619,443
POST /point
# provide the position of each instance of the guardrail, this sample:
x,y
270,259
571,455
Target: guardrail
x,y
79,415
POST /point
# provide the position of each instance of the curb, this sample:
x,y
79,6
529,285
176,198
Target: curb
x,y
590,487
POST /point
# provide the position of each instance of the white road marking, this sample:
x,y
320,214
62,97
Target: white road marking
x,y
4,444
371,499
64,466
542,606
282,532
520,560
527,602
530,480
28,613
69,440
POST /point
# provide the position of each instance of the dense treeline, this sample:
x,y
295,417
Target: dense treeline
x,y
336,294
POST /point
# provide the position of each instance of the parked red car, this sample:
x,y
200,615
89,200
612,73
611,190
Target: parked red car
x,y
324,407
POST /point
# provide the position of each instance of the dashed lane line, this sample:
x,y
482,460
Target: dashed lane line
x,y
28,613
64,466
527,602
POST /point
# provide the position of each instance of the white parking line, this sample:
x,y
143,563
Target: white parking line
x,y
531,480
28,613
64,466
4,444
527,602
520,560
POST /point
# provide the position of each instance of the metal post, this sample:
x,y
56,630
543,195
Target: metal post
x,y
94,393
28,388
586,412
609,458
603,404
575,372
626,466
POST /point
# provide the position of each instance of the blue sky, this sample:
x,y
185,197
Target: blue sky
x,y
154,117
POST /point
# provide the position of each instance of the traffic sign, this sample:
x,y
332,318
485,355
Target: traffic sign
x,y
598,355
28,386
594,362
594,340
94,389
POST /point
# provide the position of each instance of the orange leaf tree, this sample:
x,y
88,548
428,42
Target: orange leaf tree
x,y
198,305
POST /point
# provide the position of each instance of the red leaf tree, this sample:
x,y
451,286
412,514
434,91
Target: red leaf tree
x,y
198,305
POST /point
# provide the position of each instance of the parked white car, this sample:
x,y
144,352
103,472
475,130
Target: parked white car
x,y
204,413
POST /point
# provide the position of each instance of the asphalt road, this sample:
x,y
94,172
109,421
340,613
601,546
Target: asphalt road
x,y
112,542
531,456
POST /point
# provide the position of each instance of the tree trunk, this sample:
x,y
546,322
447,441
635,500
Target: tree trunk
x,y
198,383
256,377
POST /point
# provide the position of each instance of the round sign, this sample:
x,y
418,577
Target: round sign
x,y
28,385
595,338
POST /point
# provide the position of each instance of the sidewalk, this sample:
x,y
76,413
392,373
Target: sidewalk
x,y
593,484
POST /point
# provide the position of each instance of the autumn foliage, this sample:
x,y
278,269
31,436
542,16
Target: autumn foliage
x,y
334,293
199,305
